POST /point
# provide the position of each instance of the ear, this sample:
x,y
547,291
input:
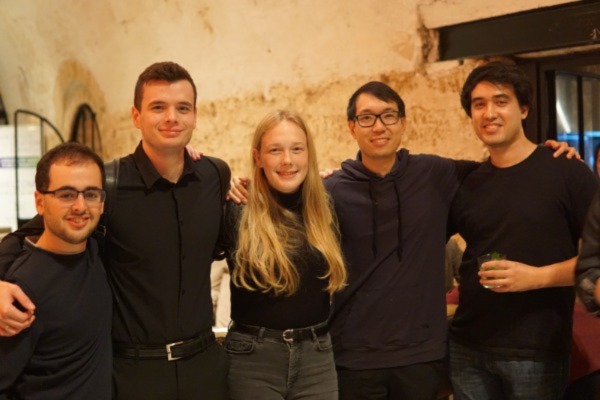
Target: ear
x,y
351,127
403,124
256,156
524,112
195,116
39,202
135,115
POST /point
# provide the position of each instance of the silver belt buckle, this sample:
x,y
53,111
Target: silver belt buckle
x,y
169,354
288,335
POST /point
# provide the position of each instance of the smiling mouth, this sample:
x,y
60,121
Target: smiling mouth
x,y
168,131
287,174
79,221
380,141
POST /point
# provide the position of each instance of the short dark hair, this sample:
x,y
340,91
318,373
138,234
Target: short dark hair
x,y
161,71
499,73
380,90
73,153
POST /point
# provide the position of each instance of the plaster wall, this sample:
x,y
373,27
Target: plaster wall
x,y
247,57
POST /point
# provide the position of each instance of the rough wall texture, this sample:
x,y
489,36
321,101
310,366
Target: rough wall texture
x,y
247,57
435,122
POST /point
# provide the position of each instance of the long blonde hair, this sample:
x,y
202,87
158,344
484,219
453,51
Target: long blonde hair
x,y
270,235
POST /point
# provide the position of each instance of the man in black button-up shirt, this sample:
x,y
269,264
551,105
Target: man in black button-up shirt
x,y
161,235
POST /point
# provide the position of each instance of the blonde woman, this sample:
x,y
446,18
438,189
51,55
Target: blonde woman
x,y
286,262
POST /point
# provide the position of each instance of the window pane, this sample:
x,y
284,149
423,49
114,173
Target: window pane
x,y
566,109
591,118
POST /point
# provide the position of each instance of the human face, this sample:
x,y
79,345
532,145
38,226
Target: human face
x,y
378,143
283,156
496,114
67,226
167,116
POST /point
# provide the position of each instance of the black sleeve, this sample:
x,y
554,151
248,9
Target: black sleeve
x,y
12,244
464,168
587,270
228,233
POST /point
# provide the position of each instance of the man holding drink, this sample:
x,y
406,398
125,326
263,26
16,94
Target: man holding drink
x,y
511,339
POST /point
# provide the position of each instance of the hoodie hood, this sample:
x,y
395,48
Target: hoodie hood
x,y
357,170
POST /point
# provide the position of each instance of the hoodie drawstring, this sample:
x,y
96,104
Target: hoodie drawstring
x,y
397,189
375,204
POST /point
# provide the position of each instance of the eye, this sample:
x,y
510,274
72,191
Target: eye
x,y
298,149
389,116
91,194
274,150
367,118
66,194
185,108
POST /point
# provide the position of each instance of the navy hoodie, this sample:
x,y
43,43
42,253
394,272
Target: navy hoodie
x,y
393,312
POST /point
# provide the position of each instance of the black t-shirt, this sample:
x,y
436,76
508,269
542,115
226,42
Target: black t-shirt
x,y
534,213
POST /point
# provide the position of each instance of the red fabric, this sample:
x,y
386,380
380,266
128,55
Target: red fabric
x,y
585,354
452,296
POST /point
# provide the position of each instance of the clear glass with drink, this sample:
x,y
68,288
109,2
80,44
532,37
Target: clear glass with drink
x,y
489,257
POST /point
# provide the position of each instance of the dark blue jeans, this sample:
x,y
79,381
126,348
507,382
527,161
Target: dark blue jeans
x,y
478,375
265,369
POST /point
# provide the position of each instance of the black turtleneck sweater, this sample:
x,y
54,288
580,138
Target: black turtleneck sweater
x,y
308,306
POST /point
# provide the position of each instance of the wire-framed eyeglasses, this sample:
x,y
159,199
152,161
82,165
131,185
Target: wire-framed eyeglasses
x,y
68,196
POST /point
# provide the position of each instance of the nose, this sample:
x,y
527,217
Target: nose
x,y
171,114
79,204
379,125
490,111
287,157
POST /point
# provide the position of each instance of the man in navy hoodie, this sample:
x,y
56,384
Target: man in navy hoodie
x,y
389,326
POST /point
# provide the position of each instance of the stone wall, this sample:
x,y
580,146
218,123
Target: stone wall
x,y
247,57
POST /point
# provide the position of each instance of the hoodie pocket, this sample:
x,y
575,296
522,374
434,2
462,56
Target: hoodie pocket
x,y
386,321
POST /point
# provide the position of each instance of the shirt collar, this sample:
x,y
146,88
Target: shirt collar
x,y
148,172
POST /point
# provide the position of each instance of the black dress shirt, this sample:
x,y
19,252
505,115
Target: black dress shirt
x,y
160,242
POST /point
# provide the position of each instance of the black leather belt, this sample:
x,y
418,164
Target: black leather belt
x,y
287,335
171,351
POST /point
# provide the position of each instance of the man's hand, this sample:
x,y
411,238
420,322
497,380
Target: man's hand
x,y
326,173
562,147
13,320
239,189
509,276
194,154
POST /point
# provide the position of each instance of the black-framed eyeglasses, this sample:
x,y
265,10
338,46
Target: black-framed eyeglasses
x,y
386,118
69,196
